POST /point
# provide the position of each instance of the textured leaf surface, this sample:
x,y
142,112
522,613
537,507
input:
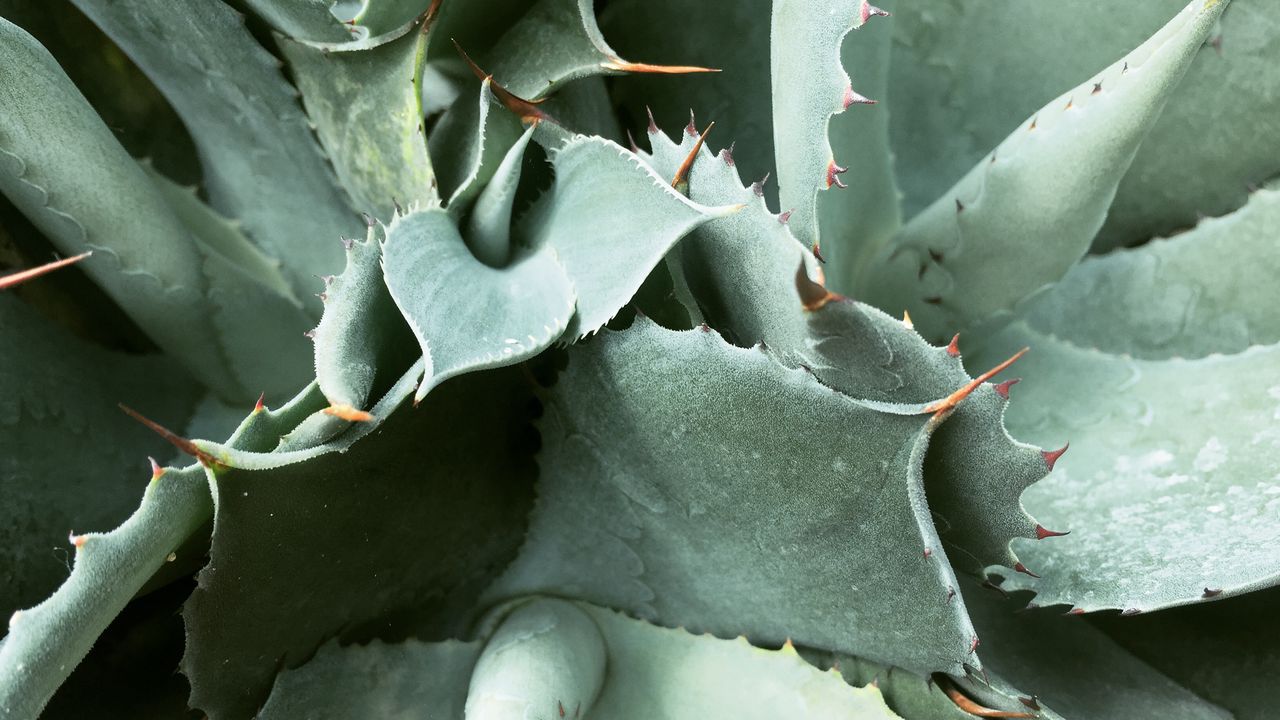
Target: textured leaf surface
x,y
262,164
1227,652
398,529
610,220
741,270
1212,289
361,335
302,19
71,461
688,505
466,315
485,133
367,108
809,85
46,642
489,225
652,672
62,167
965,261
1169,490
973,69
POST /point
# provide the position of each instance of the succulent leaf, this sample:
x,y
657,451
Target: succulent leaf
x,y
964,261
263,165
489,225
809,86
652,672
302,19
367,109
436,510
486,133
1169,489
470,316
686,506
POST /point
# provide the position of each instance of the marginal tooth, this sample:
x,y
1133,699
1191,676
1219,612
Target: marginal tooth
x,y
1051,456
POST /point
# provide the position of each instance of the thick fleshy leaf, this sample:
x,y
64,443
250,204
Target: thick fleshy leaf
x,y
258,321
652,672
972,70
1169,492
71,461
263,166
466,315
1214,287
63,168
1227,652
367,108
809,86
489,225
46,642
965,261
362,343
486,132
610,220
688,504
557,41
741,272
395,535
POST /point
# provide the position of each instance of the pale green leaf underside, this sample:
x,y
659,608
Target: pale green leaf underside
x,y
652,672
262,164
367,110
466,315
966,261
689,504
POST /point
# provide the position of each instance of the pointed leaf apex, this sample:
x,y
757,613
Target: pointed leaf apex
x,y
348,413
173,438
620,65
156,470
817,252
526,110
1051,456
949,403
22,276
261,404
653,125
906,320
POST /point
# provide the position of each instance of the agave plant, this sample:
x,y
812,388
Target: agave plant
x,y
479,385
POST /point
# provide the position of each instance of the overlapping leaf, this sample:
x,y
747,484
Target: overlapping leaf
x,y
966,261
1169,491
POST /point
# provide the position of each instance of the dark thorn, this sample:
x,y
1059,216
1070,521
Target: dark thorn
x,y
173,438
653,126
368,219
959,206
813,296
691,128
1124,69
1034,121
682,172
973,646
1032,702
1023,569
817,252
704,327
951,594
1051,456
928,552
726,154
1212,593
784,217
260,405
396,205
632,141
1097,88
1042,533
1002,389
